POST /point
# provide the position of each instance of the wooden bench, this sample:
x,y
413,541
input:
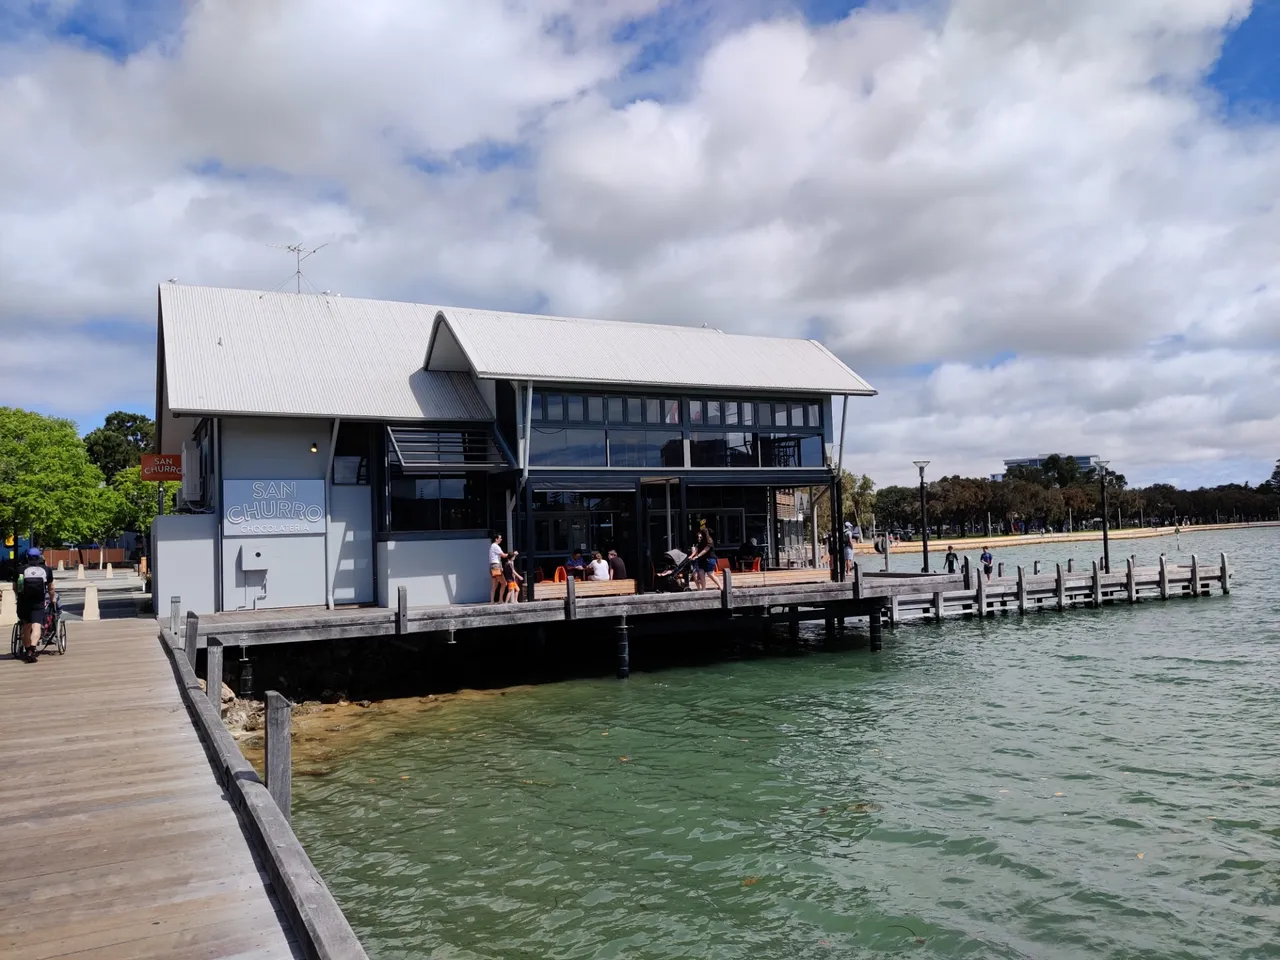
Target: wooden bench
x,y
550,590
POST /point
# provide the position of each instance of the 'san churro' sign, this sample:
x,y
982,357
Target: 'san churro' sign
x,y
257,508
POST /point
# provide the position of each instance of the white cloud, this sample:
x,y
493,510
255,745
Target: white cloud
x,y
929,186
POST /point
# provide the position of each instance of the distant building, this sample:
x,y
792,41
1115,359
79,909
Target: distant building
x,y
1088,461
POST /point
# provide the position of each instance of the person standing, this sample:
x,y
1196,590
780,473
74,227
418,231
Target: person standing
x,y
498,583
512,580
987,561
849,540
33,586
950,561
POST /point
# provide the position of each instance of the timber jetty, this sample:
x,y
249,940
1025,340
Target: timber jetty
x,y
747,601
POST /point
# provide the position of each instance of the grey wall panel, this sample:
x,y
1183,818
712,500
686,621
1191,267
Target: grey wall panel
x,y
351,544
274,449
434,571
289,572
184,564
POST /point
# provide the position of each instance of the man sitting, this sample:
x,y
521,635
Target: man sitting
x,y
575,565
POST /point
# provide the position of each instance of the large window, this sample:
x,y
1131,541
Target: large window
x,y
438,501
646,448
564,447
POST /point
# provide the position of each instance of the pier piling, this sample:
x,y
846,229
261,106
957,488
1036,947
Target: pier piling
x,y
1022,590
213,673
624,650
1061,586
189,641
1164,578
877,629
1130,584
1195,576
279,753
1226,576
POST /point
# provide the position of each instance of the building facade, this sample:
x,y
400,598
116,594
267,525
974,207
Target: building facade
x,y
336,449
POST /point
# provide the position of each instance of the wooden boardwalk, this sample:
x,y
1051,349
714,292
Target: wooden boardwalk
x,y
116,839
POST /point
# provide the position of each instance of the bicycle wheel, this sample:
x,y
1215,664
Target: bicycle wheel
x,y
62,637
17,639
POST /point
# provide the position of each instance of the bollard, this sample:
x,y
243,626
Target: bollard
x,y
1022,590
8,605
213,673
80,571
624,649
1164,578
193,632
111,574
279,754
1226,576
175,614
61,565
1061,585
90,604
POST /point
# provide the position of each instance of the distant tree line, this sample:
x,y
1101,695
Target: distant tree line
x,y
58,488
1059,493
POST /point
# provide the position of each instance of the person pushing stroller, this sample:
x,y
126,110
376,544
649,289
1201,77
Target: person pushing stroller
x,y
703,555
33,585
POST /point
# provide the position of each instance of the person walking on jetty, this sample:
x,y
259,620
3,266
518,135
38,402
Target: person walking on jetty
x,y
950,561
498,582
849,540
33,586
987,561
703,555
512,580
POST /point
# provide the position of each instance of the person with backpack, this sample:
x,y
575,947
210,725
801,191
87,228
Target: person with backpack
x,y
33,585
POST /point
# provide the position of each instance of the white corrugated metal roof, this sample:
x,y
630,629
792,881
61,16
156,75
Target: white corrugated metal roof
x,y
512,346
287,354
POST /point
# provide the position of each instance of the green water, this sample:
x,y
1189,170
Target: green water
x,y
1090,784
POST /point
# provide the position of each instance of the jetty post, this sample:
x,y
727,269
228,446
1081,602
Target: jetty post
x,y
1226,576
1022,590
1061,585
1097,586
213,673
623,647
1164,578
279,752
1195,576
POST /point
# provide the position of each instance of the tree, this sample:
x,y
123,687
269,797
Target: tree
x,y
1061,471
48,487
859,501
138,499
898,506
120,441
1272,485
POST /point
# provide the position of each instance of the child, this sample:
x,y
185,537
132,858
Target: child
x,y
513,580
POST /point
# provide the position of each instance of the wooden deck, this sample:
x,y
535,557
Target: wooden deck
x,y
117,840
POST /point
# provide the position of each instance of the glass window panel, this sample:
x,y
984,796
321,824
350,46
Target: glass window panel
x,y
633,410
781,450
616,409
779,414
766,415
652,411
742,450
748,414
731,413
797,414
672,411
811,452
577,409
708,450
595,409
584,448
815,418
436,502
645,448
554,407
713,412
537,406
695,412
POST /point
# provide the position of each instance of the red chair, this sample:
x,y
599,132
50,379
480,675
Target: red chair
x,y
561,575
722,564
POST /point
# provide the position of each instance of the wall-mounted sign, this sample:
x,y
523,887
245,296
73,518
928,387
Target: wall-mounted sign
x,y
161,466
260,508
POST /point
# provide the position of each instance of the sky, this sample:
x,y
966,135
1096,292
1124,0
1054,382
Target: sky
x,y
1033,225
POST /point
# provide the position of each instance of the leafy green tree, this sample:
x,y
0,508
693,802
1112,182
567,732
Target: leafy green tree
x,y
1061,471
138,499
897,507
859,501
48,487
1272,484
120,442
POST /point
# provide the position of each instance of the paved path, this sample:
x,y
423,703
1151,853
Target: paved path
x,y
116,840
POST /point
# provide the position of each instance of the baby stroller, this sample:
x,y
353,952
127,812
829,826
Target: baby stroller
x,y
53,633
673,575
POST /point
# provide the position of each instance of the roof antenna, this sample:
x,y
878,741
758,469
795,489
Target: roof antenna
x,y
300,253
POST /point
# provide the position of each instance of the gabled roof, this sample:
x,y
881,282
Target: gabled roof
x,y
513,346
246,352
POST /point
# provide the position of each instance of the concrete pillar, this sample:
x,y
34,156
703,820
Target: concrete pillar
x,y
8,605
111,574
80,571
91,603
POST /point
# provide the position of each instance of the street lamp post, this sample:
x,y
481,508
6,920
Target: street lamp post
x,y
924,514
1106,544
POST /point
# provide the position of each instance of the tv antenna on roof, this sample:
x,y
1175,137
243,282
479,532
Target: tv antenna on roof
x,y
300,253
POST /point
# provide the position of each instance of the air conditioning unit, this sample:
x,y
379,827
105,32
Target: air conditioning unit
x,y
192,486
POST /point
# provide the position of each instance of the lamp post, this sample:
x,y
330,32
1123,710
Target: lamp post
x,y
924,514
1106,544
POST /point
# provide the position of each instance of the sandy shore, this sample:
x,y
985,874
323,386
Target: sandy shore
x,y
1130,533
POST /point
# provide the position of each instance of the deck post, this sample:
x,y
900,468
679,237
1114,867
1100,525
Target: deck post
x,y
1226,576
1000,570
726,589
624,649
877,629
1195,576
964,569
793,624
982,596
857,580
279,759
1097,586
1130,581
893,611
402,609
193,631
571,598
1164,578
1061,585
175,615
213,674
1036,568
1022,590
939,604
829,625
1071,564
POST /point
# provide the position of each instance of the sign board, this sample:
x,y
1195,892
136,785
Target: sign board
x,y
261,508
161,466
